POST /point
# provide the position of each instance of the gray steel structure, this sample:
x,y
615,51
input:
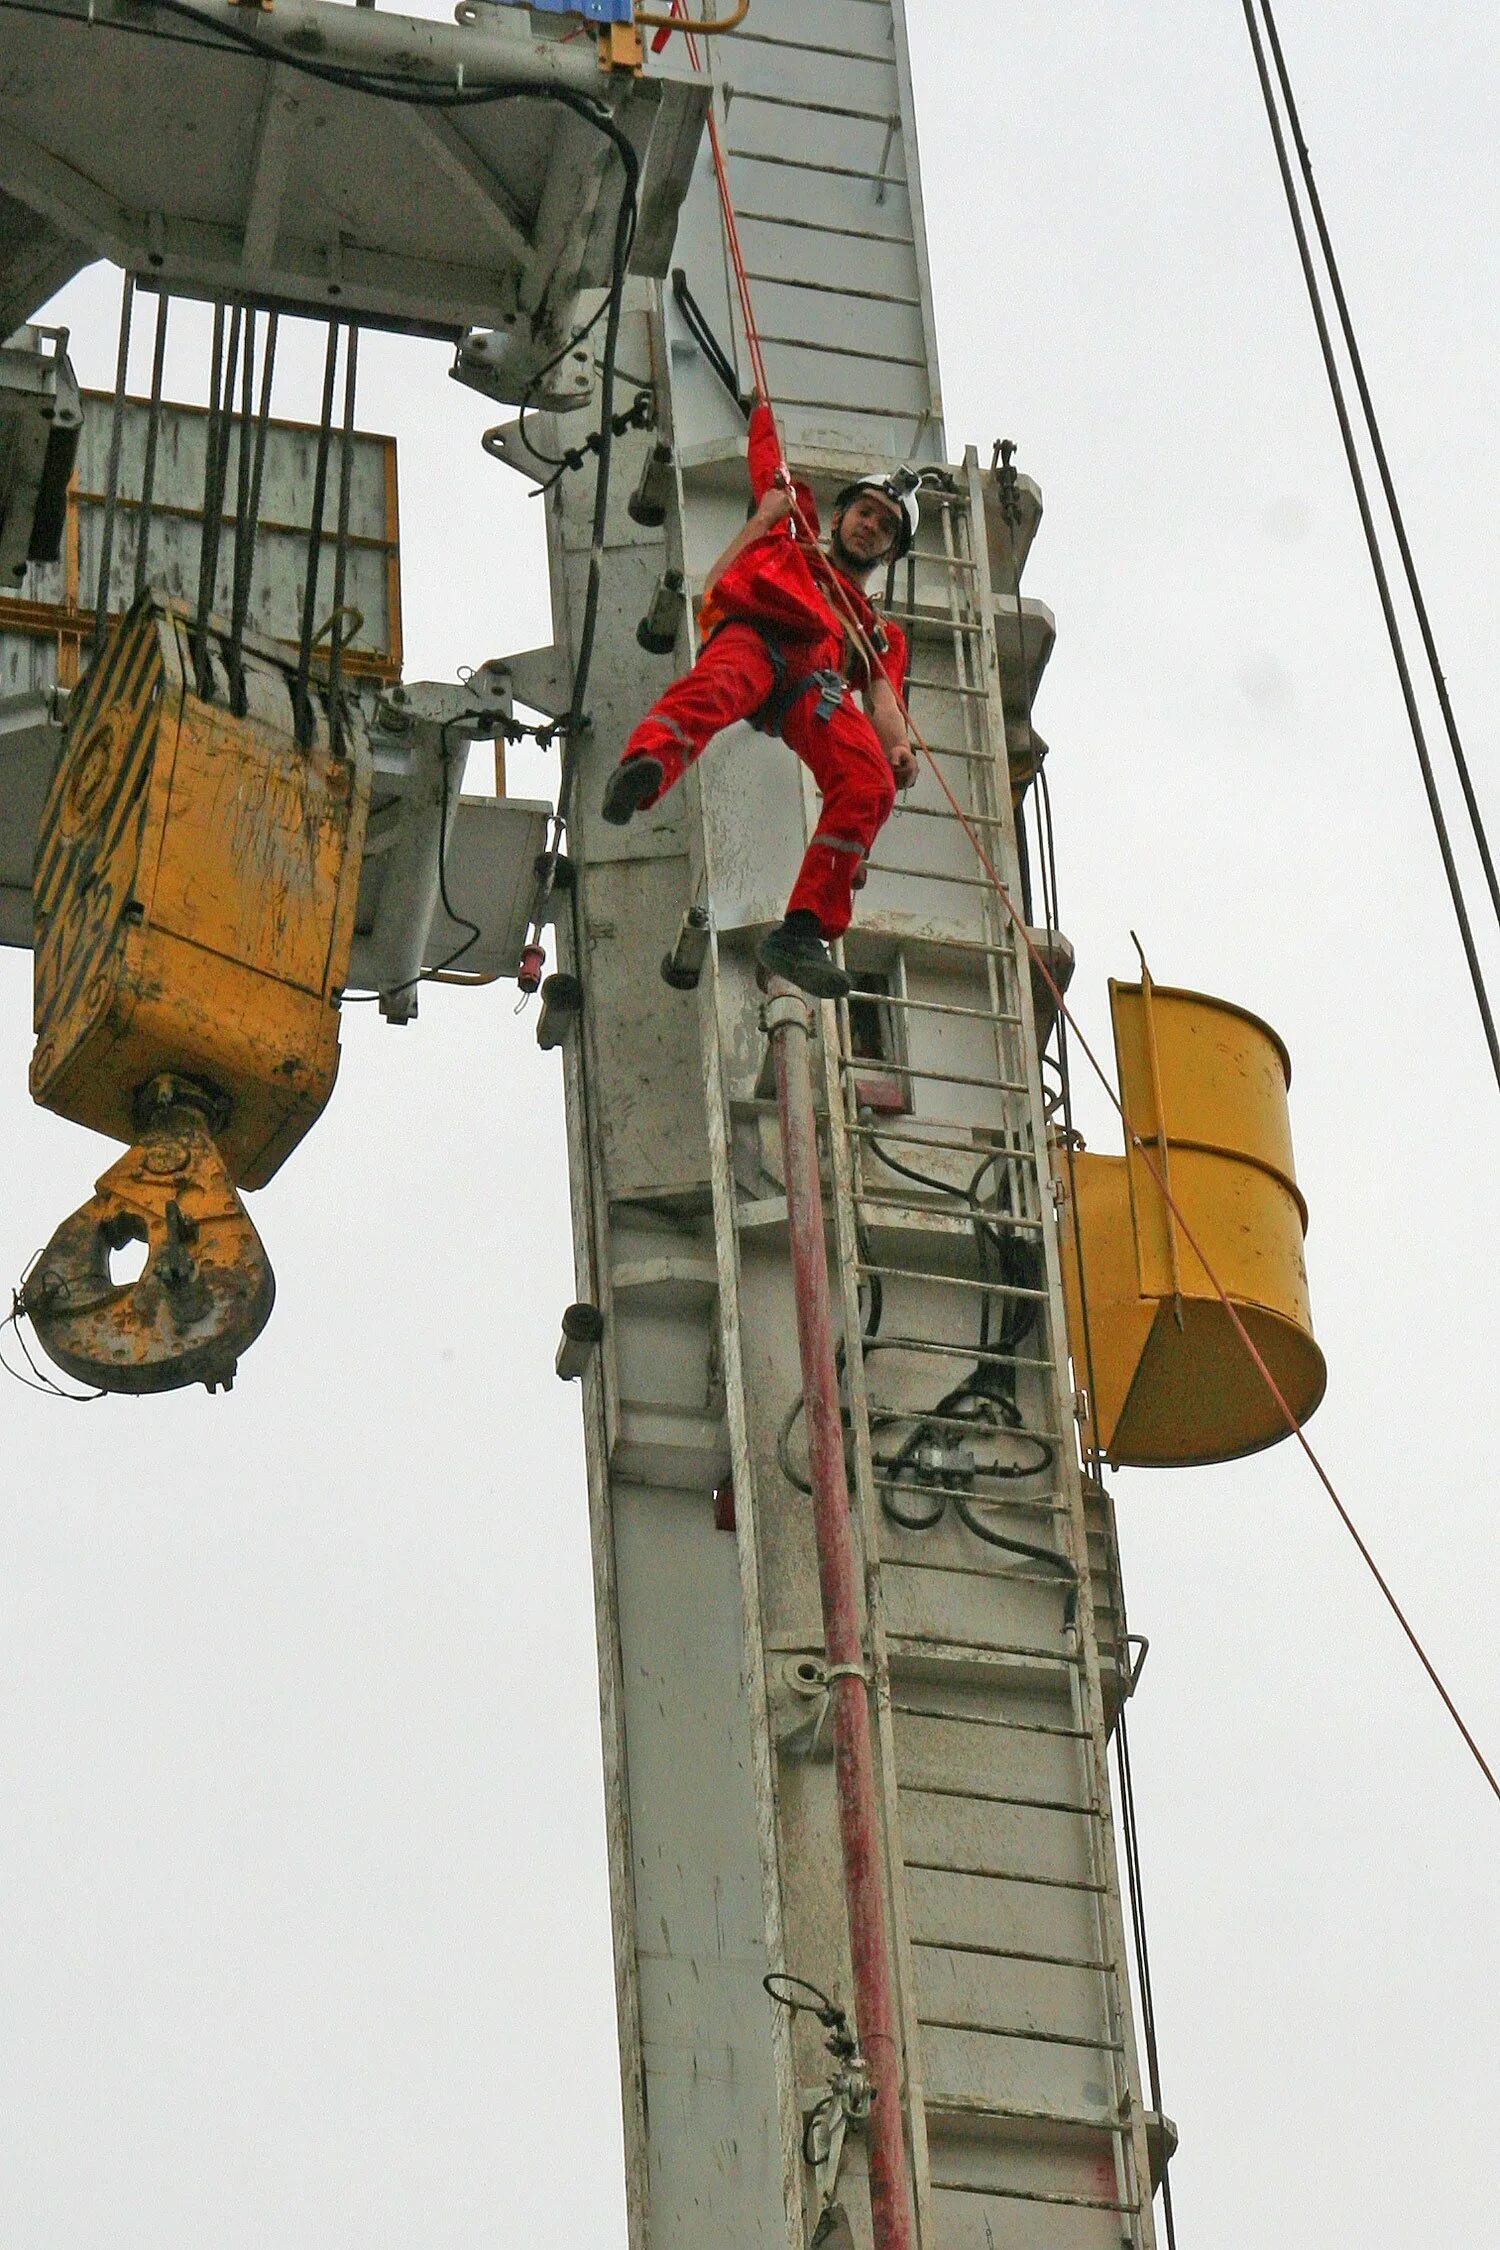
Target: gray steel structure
x,y
994,1676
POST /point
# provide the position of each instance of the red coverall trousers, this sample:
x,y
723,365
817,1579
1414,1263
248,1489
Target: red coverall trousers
x,y
731,680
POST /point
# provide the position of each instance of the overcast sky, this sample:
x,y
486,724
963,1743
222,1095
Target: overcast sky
x,y
305,1930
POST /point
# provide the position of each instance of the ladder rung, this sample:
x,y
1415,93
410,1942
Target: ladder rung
x,y
866,296
972,1354
928,1008
877,409
984,1719
1004,951
788,47
1005,1289
940,1148
928,875
892,1411
1035,2195
1005,1875
1013,1953
985,758
948,687
898,241
962,1217
942,1645
1005,1499
967,2110
1008,2031
934,618
817,109
941,812
845,351
937,1077
820,171
985,1797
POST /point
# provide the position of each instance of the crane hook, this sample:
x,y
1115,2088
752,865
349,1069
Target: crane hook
x,y
206,1290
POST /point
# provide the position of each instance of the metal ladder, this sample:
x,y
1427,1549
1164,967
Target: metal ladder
x,y
1023,2085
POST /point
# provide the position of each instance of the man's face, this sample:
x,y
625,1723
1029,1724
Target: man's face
x,y
866,530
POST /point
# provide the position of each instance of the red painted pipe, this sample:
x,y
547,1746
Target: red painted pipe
x,y
788,1020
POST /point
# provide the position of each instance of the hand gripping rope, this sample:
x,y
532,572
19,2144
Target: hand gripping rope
x,y
1041,969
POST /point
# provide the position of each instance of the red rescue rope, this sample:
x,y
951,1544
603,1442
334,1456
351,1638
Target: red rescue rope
x,y
1039,965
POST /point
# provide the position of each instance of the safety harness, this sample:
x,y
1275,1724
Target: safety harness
x,y
788,687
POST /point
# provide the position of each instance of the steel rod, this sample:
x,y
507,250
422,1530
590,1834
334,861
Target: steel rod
x,y
789,1021
302,701
153,431
112,473
341,545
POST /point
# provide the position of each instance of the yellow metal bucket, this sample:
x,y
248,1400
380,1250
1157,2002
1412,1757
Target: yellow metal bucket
x,y
1166,1378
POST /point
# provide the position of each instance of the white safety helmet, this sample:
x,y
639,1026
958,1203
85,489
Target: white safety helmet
x,y
899,490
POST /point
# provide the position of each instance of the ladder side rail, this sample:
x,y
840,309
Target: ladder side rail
x,y
716,1005
1087,1693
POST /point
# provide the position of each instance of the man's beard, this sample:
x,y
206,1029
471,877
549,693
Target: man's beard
x,y
852,566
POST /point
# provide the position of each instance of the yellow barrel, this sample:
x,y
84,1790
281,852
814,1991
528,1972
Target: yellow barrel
x,y
1204,1086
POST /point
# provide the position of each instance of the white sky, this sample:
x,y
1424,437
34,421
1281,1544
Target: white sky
x,y
305,1934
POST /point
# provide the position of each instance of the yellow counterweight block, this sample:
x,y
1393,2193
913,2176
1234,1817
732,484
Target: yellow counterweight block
x,y
195,885
1204,1086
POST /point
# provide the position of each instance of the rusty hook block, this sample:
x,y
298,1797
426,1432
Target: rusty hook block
x,y
206,1290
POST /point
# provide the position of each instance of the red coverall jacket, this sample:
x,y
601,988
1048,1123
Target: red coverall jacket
x,y
771,619
780,581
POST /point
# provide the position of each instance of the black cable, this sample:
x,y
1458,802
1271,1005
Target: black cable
x,y
461,920
574,457
425,976
1388,483
1372,541
697,324
574,723
216,472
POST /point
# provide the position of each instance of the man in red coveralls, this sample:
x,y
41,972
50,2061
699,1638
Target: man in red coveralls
x,y
779,649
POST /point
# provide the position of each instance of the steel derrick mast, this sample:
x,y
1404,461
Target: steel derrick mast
x,y
991,1623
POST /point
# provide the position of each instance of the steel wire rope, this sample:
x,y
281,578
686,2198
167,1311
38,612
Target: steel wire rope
x,y
112,468
153,433
1372,542
301,698
248,529
239,569
1387,480
216,473
341,550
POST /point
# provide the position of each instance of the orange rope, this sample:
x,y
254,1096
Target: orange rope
x,y
832,587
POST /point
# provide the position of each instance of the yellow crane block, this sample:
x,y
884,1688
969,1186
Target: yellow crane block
x,y
1204,1087
195,889
196,876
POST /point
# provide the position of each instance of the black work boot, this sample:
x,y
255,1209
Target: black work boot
x,y
629,786
795,950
